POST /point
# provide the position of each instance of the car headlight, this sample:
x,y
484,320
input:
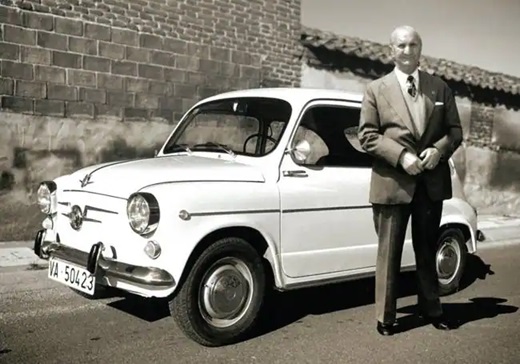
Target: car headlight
x,y
143,213
47,197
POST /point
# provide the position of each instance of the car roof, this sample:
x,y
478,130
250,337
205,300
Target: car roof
x,y
291,94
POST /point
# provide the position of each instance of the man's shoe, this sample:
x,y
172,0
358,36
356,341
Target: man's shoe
x,y
385,329
440,323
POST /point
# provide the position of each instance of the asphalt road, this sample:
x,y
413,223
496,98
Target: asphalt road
x,y
44,322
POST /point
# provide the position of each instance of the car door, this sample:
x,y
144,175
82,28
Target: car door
x,y
326,220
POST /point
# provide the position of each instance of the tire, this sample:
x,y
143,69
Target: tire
x,y
196,307
450,260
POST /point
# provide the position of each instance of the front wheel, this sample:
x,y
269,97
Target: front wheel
x,y
220,300
450,260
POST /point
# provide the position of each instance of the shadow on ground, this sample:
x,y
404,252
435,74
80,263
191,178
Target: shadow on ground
x,y
283,309
460,313
476,269
147,309
475,309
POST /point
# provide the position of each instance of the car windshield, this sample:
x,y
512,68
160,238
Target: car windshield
x,y
249,126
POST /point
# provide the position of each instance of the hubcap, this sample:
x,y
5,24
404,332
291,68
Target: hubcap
x,y
448,260
226,292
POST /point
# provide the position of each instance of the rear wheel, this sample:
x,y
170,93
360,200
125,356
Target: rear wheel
x,y
220,300
450,260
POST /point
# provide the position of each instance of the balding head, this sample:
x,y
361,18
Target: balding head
x,y
406,45
404,30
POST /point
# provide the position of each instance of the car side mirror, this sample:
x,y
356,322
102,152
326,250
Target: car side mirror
x,y
301,151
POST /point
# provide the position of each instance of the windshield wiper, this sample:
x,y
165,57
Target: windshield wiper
x,y
211,145
176,147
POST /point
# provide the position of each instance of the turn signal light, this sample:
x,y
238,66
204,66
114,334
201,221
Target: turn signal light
x,y
152,249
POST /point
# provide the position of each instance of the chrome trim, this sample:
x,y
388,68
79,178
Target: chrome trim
x,y
91,208
147,276
236,212
299,173
155,212
93,257
199,181
81,216
288,211
38,239
339,279
76,217
87,219
332,208
51,185
448,252
86,180
95,193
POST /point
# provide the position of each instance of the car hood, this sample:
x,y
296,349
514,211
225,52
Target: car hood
x,y
123,178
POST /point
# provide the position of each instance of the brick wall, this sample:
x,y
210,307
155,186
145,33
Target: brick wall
x,y
481,126
141,59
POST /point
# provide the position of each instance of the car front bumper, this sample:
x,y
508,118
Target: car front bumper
x,y
95,263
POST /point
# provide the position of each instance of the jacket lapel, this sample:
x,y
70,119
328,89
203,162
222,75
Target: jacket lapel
x,y
394,96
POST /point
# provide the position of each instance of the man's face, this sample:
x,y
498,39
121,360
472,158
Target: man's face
x,y
406,50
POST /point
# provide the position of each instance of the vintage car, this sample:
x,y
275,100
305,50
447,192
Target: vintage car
x,y
253,190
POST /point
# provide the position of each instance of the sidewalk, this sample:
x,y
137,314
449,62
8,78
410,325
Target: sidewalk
x,y
498,229
486,222
495,229
17,253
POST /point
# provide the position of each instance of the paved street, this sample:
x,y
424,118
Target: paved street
x,y
44,322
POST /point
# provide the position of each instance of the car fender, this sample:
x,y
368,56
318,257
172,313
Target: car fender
x,y
271,254
218,206
457,219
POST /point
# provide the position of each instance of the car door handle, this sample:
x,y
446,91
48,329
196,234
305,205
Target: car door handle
x,y
299,173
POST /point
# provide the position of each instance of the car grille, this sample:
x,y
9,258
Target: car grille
x,y
84,219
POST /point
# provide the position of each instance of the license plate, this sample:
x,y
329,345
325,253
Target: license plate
x,y
72,276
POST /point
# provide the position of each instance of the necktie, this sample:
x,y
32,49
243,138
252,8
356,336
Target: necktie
x,y
411,86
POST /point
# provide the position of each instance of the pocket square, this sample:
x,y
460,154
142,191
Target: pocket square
x,y
439,103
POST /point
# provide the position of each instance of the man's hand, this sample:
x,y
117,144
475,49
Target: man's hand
x,y
411,163
430,158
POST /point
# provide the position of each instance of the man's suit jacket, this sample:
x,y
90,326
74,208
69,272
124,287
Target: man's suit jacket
x,y
386,131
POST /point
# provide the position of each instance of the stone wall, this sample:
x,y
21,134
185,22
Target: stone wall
x,y
84,82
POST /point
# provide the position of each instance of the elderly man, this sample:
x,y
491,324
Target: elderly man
x,y
409,122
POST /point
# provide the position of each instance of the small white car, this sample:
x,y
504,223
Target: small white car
x,y
253,190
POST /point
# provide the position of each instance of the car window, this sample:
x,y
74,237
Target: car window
x,y
276,129
331,132
231,130
250,126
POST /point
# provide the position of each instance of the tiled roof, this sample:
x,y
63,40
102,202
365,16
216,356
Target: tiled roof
x,y
449,70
